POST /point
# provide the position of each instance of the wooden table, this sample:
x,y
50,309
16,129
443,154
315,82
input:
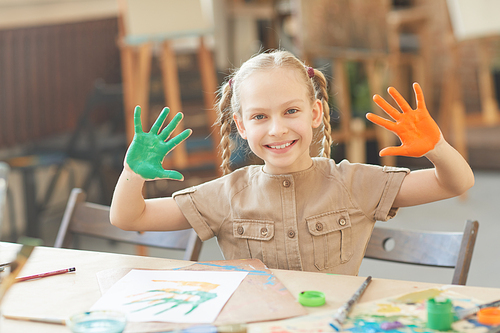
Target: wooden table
x,y
67,294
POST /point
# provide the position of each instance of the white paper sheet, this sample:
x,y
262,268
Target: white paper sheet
x,y
171,296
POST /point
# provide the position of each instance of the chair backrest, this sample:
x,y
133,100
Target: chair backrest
x,y
81,217
439,249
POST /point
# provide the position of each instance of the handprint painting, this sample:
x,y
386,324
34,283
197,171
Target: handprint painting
x,y
175,294
171,296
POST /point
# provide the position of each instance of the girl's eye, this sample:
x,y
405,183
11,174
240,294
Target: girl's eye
x,y
292,111
259,117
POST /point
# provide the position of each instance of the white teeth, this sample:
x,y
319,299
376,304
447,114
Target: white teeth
x,y
282,146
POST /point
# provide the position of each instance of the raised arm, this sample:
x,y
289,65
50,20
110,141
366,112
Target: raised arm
x,y
143,161
420,136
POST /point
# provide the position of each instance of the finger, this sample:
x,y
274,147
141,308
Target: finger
x,y
395,114
171,126
392,151
137,120
419,96
172,174
402,103
176,140
387,124
159,121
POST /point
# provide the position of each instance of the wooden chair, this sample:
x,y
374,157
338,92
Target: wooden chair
x,y
438,249
81,217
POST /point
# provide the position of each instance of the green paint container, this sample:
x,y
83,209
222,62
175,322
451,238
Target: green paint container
x,y
439,314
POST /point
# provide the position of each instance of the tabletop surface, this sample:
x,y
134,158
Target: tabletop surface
x,y
67,294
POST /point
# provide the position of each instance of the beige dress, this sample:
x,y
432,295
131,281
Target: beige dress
x,y
318,220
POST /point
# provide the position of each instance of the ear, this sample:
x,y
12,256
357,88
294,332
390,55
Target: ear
x,y
317,113
240,126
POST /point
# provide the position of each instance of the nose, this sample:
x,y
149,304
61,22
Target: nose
x,y
278,127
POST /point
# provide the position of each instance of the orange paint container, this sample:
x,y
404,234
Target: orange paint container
x,y
489,316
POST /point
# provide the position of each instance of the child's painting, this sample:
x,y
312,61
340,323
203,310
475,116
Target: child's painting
x,y
408,311
171,296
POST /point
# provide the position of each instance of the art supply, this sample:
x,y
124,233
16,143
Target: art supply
x,y
489,316
439,314
42,275
311,298
464,313
343,311
17,265
391,325
47,320
98,322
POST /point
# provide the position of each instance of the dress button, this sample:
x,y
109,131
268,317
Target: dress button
x,y
240,230
342,221
291,233
319,226
287,183
263,231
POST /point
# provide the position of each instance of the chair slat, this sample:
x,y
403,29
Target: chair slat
x,y
439,249
93,220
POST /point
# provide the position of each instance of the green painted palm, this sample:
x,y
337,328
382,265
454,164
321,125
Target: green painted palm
x,y
147,150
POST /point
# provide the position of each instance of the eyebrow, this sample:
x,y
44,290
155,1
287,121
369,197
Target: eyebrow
x,y
290,102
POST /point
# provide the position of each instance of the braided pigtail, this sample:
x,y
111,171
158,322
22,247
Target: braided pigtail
x,y
320,86
224,121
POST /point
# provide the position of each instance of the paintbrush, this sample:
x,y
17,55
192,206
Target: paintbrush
x,y
47,320
464,313
16,266
343,311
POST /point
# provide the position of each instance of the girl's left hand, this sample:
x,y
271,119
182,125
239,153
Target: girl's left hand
x,y
416,129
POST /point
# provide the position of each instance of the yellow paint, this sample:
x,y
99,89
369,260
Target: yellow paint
x,y
387,308
203,286
418,296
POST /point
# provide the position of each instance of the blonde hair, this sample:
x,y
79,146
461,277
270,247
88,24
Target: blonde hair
x,y
229,97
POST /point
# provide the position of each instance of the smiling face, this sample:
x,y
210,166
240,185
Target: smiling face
x,y
277,119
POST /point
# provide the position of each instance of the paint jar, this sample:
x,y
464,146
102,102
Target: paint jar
x,y
489,316
311,298
439,314
98,322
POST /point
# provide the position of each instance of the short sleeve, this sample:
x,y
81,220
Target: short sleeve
x,y
395,177
373,188
205,207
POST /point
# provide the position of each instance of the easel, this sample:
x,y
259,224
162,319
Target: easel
x,y
335,33
410,66
352,130
136,43
453,116
137,54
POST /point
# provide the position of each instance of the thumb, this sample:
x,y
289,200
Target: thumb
x,y
392,151
171,174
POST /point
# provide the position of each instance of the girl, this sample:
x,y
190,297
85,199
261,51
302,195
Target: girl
x,y
293,212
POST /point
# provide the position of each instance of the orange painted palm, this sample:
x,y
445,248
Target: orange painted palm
x,y
416,129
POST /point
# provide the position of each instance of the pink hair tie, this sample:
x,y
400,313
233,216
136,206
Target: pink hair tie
x,y
310,72
230,82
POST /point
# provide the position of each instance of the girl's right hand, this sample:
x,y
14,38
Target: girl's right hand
x,y
147,150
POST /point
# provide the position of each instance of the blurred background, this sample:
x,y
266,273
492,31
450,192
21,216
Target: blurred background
x,y
71,72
